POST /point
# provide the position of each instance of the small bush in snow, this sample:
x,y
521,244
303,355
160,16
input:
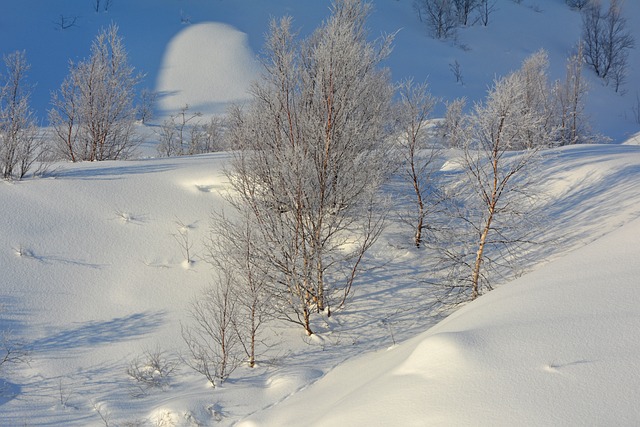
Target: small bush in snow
x,y
152,369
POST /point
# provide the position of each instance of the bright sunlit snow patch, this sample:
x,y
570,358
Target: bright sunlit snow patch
x,y
206,66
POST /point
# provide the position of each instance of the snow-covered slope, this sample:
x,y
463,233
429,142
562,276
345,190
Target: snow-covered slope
x,y
559,346
93,275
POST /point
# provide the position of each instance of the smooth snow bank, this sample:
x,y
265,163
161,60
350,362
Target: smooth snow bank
x,y
207,66
559,346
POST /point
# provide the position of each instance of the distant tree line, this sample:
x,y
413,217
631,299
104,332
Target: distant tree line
x,y
605,37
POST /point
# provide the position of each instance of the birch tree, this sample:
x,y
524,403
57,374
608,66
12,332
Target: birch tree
x,y
232,247
569,96
93,115
211,339
418,157
310,158
20,142
607,41
497,196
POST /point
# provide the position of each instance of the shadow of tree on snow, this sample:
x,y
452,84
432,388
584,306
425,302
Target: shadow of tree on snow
x,y
100,332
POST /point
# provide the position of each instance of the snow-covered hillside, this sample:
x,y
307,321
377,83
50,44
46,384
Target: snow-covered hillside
x,y
559,346
93,277
94,272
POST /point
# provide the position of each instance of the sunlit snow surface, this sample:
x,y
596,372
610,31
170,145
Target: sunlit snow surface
x,y
207,67
92,275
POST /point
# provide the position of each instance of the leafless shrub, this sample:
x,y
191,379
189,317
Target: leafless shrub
x,y
636,108
11,351
577,4
64,393
103,412
456,69
152,369
183,239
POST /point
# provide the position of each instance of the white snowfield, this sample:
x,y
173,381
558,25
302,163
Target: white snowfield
x,y
92,274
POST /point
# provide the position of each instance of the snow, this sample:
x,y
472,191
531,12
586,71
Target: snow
x,y
92,275
220,66
558,346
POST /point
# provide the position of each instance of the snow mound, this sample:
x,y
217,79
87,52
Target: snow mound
x,y
290,381
207,66
437,354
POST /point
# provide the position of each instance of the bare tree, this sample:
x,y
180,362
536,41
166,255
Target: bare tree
x,y
577,4
66,22
439,16
607,41
486,8
454,123
64,119
415,106
206,137
537,101
20,142
456,69
93,115
212,341
175,131
569,96
184,134
147,104
464,10
105,5
232,248
496,199
636,108
309,157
